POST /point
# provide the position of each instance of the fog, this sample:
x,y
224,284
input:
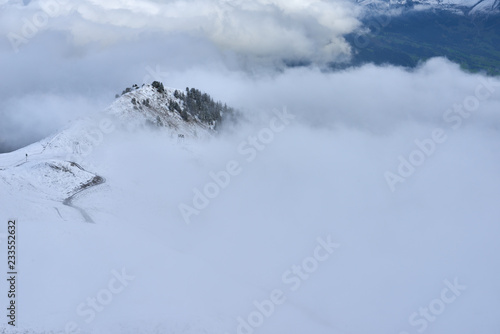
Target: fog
x,y
402,248
394,169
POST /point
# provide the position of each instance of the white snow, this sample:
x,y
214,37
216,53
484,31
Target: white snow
x,y
396,250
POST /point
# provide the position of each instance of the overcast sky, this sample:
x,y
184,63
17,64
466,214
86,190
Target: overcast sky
x,y
64,59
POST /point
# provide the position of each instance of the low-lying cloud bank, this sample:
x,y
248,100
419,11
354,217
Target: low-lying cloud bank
x,y
405,257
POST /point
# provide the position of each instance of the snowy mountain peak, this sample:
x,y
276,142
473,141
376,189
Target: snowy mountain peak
x,y
181,114
149,106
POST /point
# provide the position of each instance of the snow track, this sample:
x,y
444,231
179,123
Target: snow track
x,y
97,180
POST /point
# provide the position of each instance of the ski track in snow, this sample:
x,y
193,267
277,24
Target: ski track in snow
x,y
26,169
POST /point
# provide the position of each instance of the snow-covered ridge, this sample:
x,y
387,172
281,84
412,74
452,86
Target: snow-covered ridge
x,y
146,106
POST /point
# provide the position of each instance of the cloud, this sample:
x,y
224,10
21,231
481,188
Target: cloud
x,y
324,174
